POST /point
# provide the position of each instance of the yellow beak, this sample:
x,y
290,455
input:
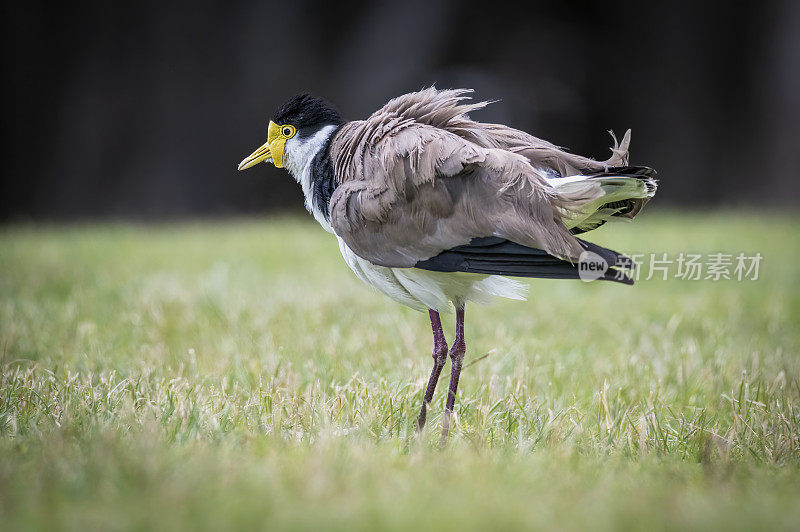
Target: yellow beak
x,y
261,154
272,149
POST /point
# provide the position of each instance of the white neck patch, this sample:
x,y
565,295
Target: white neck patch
x,y
297,157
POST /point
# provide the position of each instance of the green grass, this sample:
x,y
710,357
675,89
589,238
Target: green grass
x,y
236,374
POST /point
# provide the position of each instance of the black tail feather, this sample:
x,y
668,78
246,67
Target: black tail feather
x,y
497,256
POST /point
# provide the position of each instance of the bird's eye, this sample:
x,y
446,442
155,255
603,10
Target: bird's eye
x,y
288,131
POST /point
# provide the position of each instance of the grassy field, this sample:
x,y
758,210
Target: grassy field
x,y
236,375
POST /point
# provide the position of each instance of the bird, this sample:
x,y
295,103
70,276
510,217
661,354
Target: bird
x,y
435,209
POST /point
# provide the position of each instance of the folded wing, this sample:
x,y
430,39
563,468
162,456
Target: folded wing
x,y
409,191
419,183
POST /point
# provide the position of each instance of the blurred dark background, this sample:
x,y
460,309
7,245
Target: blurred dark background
x,y
144,109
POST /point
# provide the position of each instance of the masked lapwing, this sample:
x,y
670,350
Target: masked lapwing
x,y
435,209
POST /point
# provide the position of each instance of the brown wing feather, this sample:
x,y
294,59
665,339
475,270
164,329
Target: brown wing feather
x,y
419,177
412,192
446,109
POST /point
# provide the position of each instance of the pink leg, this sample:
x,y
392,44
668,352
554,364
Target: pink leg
x,y
457,351
439,359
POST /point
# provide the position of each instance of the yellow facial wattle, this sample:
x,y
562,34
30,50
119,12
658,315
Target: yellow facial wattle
x,y
273,148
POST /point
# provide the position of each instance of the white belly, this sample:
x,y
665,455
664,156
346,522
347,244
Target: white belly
x,y
421,289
